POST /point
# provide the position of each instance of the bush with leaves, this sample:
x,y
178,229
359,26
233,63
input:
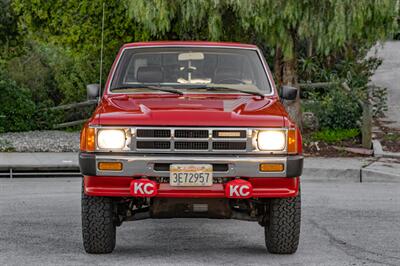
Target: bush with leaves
x,y
335,109
17,109
72,72
31,70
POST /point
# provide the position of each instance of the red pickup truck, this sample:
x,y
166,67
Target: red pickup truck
x,y
190,130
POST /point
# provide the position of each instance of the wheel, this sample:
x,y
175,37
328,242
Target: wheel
x,y
98,227
282,228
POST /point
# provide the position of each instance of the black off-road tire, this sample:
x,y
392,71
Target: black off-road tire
x,y
98,227
282,229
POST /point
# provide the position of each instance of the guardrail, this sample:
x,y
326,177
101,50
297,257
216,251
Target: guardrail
x,y
72,106
39,172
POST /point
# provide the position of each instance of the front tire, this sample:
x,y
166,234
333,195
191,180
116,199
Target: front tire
x,y
282,229
98,227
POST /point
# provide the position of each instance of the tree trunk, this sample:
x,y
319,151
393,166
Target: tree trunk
x,y
290,78
278,67
309,47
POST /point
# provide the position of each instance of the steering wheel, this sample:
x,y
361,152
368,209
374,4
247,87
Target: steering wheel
x,y
231,81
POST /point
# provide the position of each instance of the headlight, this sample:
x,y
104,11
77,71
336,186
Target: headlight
x,y
271,140
111,138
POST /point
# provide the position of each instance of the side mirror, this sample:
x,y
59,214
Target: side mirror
x,y
92,91
288,93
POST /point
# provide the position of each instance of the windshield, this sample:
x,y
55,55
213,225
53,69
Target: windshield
x,y
190,69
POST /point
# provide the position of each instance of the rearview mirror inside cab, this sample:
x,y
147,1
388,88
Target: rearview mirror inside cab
x,y
190,56
288,93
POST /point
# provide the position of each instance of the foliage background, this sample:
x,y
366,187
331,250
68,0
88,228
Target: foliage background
x,y
50,49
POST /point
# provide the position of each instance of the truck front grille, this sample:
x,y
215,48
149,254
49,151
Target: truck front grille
x,y
224,145
190,133
206,140
191,145
153,133
162,145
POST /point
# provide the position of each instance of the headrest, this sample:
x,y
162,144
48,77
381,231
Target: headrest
x,y
150,74
223,73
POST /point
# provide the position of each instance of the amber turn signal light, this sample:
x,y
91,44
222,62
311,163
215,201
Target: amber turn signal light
x,y
271,167
87,141
110,166
292,141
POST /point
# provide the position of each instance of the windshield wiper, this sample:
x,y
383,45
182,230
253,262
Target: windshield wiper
x,y
216,88
150,87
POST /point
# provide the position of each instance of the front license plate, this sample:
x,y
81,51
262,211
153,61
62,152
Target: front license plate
x,y
190,175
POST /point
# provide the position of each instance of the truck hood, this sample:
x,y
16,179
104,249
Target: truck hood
x,y
189,110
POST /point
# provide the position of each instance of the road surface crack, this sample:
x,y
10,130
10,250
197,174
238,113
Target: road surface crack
x,y
353,250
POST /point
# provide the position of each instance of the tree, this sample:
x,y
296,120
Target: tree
x,y
70,31
282,28
329,24
9,34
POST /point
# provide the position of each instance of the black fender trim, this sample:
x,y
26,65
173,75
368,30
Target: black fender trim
x,y
87,163
294,166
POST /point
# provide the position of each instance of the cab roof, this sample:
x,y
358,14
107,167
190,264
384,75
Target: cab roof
x,y
190,43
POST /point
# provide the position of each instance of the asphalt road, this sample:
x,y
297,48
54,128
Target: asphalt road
x,y
342,224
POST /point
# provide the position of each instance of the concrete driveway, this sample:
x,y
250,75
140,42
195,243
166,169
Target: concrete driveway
x,y
388,76
342,224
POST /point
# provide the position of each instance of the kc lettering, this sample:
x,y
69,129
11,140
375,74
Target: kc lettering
x,y
242,191
143,188
238,189
148,189
138,188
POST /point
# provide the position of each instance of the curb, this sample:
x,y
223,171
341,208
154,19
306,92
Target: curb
x,y
339,169
370,176
351,170
14,164
379,152
331,175
382,170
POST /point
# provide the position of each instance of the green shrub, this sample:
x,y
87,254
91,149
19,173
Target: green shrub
x,y
53,75
334,135
17,110
31,70
72,72
336,109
